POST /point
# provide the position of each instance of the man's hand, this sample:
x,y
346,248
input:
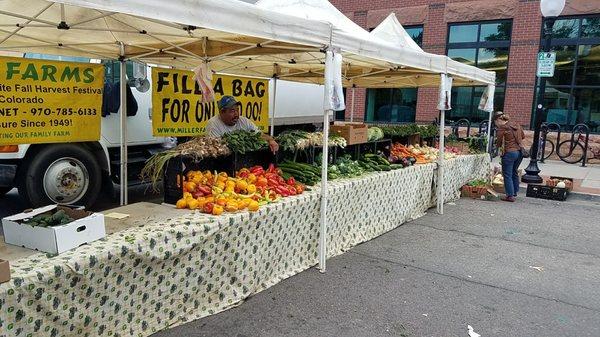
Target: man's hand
x,y
273,146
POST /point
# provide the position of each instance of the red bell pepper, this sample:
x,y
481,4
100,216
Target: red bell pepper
x,y
291,181
271,168
282,190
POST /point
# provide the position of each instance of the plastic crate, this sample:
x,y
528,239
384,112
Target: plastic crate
x,y
547,192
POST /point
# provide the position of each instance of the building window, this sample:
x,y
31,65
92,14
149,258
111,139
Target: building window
x,y
394,105
485,45
391,105
572,96
416,33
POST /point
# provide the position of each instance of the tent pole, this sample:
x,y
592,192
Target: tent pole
x,y
324,164
274,101
440,168
352,104
123,125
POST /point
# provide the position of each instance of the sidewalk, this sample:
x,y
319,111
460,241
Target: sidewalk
x,y
586,180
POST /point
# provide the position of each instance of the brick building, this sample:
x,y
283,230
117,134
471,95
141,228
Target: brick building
x,y
499,35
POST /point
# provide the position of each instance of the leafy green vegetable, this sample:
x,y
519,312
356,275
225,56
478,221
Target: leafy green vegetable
x,y
245,141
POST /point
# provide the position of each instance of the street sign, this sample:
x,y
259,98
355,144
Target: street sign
x,y
545,64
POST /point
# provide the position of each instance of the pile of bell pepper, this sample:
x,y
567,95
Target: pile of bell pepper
x,y
215,193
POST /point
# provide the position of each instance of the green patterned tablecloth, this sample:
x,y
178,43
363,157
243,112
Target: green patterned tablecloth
x,y
149,278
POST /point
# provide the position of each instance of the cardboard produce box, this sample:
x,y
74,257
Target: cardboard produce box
x,y
4,271
85,228
354,133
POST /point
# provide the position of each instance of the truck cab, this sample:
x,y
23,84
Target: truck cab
x,y
75,173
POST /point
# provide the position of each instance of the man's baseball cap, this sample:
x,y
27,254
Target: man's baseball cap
x,y
227,102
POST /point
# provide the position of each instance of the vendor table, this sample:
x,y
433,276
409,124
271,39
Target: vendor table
x,y
165,271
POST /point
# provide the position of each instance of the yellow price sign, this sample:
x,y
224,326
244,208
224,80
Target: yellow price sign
x,y
177,109
45,101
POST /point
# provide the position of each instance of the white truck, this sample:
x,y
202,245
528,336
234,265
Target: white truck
x,y
76,173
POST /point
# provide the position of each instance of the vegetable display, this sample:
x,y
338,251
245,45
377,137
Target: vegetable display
x,y
316,139
293,140
304,173
198,148
242,141
405,130
374,133
216,193
49,219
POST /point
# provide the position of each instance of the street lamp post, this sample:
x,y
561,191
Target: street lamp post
x,y
550,10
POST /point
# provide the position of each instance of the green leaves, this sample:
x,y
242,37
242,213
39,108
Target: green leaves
x,y
245,141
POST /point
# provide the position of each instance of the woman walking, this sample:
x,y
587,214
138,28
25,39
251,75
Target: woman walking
x,y
509,140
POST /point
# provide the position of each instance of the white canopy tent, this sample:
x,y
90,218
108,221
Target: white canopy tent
x,y
182,34
391,30
279,38
384,58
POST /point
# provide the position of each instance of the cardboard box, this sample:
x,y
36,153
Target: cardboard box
x,y
354,133
568,182
86,228
4,271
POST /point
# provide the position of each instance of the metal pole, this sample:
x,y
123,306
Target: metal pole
x,y
352,104
440,168
489,132
532,175
323,219
272,132
123,125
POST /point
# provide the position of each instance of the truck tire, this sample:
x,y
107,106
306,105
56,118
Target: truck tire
x,y
61,174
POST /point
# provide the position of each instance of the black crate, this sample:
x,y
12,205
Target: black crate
x,y
176,169
547,192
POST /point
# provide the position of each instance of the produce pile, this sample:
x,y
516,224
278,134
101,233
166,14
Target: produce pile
x,y
344,167
405,130
198,148
49,219
242,141
215,193
293,140
374,133
421,154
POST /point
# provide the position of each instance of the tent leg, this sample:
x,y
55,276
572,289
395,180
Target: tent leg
x,y
489,134
352,105
272,130
123,125
323,219
440,168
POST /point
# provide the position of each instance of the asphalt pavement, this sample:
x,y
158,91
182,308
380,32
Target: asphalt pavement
x,y
530,268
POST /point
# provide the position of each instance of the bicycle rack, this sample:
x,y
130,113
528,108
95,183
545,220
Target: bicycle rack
x,y
544,130
585,128
458,124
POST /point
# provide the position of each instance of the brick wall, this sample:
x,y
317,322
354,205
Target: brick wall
x,y
435,16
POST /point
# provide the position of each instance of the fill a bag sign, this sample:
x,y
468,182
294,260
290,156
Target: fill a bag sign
x,y
177,109
45,101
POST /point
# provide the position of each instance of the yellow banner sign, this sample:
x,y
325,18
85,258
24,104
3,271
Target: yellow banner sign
x,y
177,109
45,101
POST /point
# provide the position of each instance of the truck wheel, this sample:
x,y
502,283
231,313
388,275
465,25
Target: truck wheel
x,y
61,174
